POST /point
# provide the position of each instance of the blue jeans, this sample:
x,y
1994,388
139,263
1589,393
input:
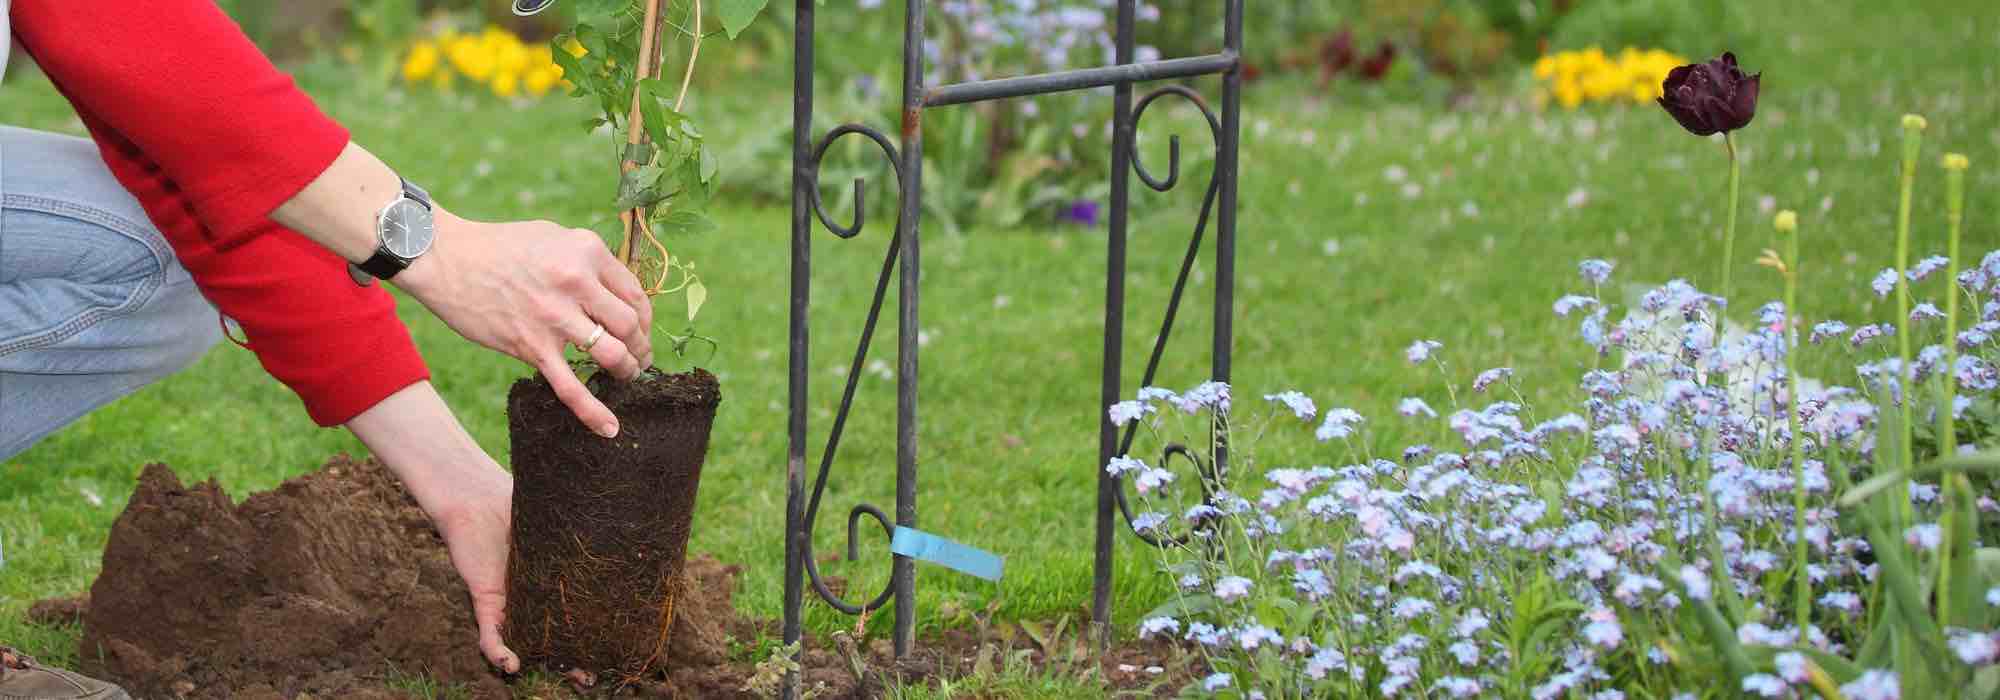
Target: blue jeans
x,y
93,304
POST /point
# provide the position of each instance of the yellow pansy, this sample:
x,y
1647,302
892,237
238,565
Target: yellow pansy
x,y
421,63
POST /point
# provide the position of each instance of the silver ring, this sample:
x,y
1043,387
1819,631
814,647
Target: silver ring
x,y
595,334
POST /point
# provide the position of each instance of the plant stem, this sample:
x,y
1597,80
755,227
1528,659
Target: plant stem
x,y
635,124
1957,487
1802,589
1912,142
1729,230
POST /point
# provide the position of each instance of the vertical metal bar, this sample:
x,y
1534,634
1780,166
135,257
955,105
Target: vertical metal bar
x,y
1114,329
911,200
795,453
1225,223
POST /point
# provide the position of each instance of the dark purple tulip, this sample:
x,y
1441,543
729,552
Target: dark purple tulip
x,y
1082,212
1712,97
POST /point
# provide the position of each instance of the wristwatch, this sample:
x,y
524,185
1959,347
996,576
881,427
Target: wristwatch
x,y
404,230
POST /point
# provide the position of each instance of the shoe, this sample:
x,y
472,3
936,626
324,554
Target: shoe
x,y
23,679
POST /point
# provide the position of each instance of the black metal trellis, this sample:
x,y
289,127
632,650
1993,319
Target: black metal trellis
x,y
902,262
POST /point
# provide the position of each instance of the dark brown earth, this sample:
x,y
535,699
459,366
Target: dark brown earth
x,y
601,525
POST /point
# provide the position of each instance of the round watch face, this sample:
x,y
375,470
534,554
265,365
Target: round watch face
x,y
407,229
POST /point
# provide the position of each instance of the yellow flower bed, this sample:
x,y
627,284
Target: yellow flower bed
x,y
493,59
1572,78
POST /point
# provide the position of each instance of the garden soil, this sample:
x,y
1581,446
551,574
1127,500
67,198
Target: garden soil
x,y
335,585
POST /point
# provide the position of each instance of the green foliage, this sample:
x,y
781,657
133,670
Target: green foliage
x,y
1686,27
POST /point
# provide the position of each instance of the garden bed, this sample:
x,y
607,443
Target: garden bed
x,y
335,584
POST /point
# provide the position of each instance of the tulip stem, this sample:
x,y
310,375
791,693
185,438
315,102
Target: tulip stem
x,y
1729,231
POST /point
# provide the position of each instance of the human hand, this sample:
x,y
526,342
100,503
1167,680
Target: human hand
x,y
466,494
475,528
528,288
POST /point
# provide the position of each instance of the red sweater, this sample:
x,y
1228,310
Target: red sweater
x,y
210,137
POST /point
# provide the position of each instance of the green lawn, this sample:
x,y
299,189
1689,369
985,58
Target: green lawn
x,y
1340,266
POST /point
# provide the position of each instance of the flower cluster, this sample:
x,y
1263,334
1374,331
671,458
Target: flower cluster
x,y
494,59
1562,555
1572,78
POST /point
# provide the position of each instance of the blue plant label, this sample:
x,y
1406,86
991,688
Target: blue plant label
x,y
960,557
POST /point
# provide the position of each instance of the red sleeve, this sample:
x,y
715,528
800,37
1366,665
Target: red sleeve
x,y
210,137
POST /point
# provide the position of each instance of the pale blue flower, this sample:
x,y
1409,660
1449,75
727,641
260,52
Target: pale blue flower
x,y
1413,407
1147,522
1925,311
1412,608
1150,479
1421,350
1694,581
1125,412
1123,465
1337,424
1924,536
1594,271
1975,648
1158,626
1827,329
1791,666
1465,651
1870,332
1257,635
1215,682
1470,623
1885,282
1602,629
1232,587
1572,302
1764,684
1458,686
1926,266
1301,405
1490,377
1325,661
1844,601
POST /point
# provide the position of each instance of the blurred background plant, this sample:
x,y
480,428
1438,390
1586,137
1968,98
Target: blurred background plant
x,y
1044,160
1574,77
494,58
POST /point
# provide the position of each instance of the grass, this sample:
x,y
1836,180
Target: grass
x,y
1339,268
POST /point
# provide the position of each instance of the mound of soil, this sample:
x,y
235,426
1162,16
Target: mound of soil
x,y
335,584
329,585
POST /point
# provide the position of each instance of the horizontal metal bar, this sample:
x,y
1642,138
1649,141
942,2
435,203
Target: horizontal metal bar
x,y
983,90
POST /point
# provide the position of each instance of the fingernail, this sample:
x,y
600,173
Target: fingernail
x,y
608,430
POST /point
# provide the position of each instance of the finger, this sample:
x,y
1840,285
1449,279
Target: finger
x,y
571,393
622,322
628,289
611,354
487,611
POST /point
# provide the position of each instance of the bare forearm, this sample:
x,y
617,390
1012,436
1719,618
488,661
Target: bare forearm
x,y
414,433
338,209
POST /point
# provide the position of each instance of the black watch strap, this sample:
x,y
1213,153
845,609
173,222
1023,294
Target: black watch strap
x,y
383,265
411,190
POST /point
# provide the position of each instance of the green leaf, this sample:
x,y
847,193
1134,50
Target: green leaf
x,y
1720,634
685,222
1988,462
737,14
639,187
697,295
1184,606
